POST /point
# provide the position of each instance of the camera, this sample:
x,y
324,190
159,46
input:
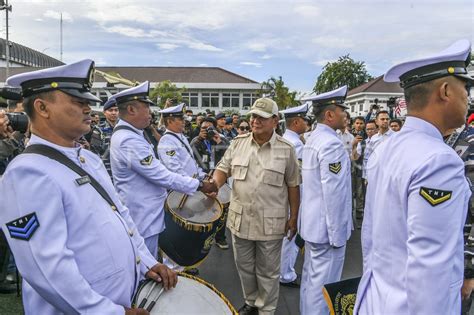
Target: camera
x,y
18,121
211,132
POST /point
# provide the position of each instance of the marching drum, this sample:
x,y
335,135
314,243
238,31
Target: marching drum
x,y
224,194
191,228
192,295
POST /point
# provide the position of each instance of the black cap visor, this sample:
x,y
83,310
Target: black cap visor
x,y
84,95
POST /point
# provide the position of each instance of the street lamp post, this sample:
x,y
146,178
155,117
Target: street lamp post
x,y
5,6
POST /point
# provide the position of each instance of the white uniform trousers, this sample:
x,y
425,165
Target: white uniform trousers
x,y
152,244
289,253
322,264
258,264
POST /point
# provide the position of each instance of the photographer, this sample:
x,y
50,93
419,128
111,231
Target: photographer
x,y
13,131
209,146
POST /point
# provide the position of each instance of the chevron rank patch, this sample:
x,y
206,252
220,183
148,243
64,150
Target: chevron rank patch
x,y
147,160
435,196
23,228
171,153
335,167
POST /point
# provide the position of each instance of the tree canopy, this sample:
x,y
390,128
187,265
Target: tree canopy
x,y
344,71
164,90
280,93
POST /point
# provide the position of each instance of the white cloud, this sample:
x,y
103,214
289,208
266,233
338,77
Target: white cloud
x,y
202,46
167,46
128,31
307,10
321,63
57,15
39,20
249,63
256,46
266,56
332,42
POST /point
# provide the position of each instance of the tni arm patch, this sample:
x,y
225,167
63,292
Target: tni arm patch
x,y
435,196
335,167
147,160
23,228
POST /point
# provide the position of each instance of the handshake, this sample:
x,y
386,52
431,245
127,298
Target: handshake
x,y
208,186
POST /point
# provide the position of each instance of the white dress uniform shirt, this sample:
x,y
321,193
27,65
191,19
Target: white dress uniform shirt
x,y
376,140
412,238
141,180
346,138
82,257
325,216
289,251
178,156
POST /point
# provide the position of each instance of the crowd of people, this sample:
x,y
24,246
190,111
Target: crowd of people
x,y
83,197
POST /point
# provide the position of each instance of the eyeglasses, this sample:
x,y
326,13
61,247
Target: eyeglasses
x,y
244,128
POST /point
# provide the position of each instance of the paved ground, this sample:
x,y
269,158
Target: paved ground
x,y
219,269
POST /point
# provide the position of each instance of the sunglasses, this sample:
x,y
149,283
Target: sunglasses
x,y
244,128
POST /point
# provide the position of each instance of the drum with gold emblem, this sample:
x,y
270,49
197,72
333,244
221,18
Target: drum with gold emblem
x,y
191,225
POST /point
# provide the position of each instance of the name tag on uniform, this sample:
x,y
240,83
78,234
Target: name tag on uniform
x,y
83,180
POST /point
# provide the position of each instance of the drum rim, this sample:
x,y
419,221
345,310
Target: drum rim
x,y
185,275
196,226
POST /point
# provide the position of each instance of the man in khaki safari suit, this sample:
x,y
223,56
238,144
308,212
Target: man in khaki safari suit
x,y
266,184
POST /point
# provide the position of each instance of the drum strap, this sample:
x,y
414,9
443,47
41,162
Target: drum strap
x,y
176,136
123,127
64,160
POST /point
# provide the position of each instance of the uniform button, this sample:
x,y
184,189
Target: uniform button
x,y
82,159
138,260
114,208
130,232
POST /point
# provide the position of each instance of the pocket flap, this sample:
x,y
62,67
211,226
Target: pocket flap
x,y
240,161
275,213
235,207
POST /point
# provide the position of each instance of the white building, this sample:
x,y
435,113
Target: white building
x,y
361,98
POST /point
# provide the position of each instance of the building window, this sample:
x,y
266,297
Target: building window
x,y
191,99
248,99
361,107
210,99
352,108
230,99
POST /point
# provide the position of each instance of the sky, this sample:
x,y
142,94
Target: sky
x,y
254,38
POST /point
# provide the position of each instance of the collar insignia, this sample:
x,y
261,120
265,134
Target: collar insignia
x,y
435,196
171,153
335,167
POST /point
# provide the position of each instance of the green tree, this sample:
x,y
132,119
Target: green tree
x,y
279,92
164,90
344,71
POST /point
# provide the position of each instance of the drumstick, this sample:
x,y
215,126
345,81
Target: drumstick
x,y
152,304
143,302
183,200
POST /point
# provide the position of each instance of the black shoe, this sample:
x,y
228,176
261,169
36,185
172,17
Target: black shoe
x,y
248,310
292,284
222,244
192,271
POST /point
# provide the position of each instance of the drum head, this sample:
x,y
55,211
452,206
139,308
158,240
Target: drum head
x,y
224,194
191,296
198,207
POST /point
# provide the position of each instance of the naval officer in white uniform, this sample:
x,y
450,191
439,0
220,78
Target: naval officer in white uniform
x,y
140,178
295,128
75,244
417,196
325,221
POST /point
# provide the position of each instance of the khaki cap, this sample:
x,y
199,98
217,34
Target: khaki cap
x,y
264,107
